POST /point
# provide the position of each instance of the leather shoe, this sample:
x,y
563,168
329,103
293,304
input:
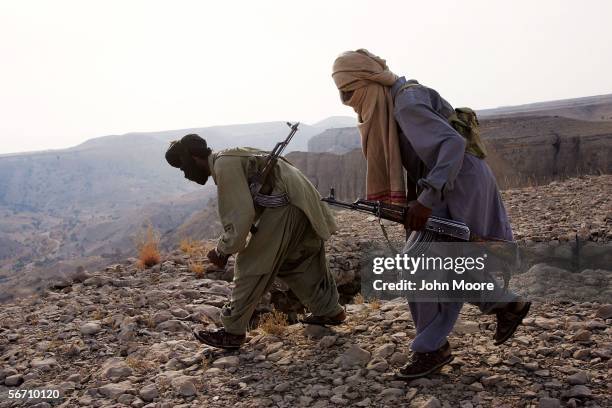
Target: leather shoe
x,y
423,364
220,338
508,320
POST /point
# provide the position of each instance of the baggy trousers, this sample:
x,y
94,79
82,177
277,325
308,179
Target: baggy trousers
x,y
434,321
285,246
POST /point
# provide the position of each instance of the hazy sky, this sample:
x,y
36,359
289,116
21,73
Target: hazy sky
x,y
72,70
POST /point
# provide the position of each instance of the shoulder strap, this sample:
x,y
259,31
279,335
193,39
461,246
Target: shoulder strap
x,y
242,152
406,85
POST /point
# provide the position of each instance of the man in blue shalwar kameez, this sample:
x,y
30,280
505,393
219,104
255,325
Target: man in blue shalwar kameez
x,y
404,125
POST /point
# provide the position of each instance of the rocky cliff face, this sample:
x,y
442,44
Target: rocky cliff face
x,y
338,141
540,149
522,151
591,108
346,172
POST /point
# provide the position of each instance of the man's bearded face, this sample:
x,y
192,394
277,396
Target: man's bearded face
x,y
192,171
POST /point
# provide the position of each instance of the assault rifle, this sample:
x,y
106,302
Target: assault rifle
x,y
453,230
436,229
260,191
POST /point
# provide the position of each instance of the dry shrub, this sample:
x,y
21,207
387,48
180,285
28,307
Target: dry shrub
x,y
148,321
274,322
197,268
374,303
359,299
56,344
73,349
97,314
147,243
32,319
139,365
192,247
186,245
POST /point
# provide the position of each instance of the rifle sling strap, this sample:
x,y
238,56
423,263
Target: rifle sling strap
x,y
384,232
264,199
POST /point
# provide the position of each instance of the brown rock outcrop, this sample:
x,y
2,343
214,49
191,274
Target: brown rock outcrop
x,y
522,151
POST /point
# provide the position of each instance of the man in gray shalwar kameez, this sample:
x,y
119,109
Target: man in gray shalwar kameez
x,y
451,183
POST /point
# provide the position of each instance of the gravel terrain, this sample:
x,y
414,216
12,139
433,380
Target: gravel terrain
x,y
121,336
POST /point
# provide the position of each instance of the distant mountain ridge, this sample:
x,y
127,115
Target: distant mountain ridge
x,y
335,140
591,108
87,200
261,135
131,166
68,206
336,122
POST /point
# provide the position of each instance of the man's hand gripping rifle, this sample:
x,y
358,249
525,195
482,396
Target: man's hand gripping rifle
x,y
452,230
436,229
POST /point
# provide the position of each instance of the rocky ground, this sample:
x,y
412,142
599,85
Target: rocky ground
x,y
562,209
122,336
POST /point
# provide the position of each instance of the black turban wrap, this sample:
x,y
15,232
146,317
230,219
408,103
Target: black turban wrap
x,y
180,152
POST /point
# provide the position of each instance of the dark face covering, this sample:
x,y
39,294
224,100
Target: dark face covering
x,y
191,169
179,155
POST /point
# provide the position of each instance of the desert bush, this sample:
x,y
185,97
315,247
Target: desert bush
x,y
193,247
274,322
139,364
147,243
97,314
72,349
374,303
197,268
359,299
189,246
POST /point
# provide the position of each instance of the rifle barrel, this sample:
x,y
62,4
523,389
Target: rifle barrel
x,y
368,210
